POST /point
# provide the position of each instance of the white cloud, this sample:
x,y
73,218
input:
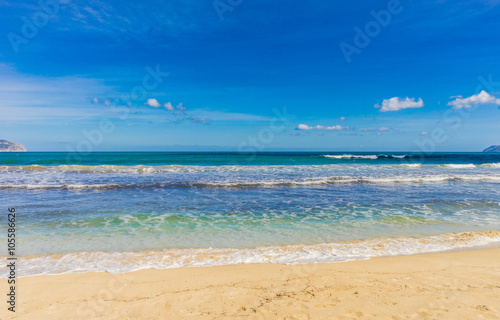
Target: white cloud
x,y
342,119
384,129
424,133
180,109
303,127
153,103
478,99
318,127
177,110
169,106
396,104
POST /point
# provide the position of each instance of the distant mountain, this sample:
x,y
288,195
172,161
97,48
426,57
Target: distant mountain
x,y
9,146
492,149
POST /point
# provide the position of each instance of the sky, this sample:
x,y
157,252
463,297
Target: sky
x,y
241,75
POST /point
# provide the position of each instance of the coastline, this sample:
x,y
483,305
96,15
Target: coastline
x,y
349,250
451,285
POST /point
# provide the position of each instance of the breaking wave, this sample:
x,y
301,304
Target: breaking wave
x,y
459,166
239,183
491,165
372,157
121,262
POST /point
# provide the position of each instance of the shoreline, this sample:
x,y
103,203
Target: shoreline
x,y
451,285
119,262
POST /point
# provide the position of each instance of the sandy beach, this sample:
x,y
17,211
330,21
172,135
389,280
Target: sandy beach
x,y
456,285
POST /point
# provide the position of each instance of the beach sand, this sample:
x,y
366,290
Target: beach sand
x,y
456,285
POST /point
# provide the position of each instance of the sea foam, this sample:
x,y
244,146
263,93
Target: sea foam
x,y
120,262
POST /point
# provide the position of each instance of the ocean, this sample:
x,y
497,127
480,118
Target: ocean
x,y
120,212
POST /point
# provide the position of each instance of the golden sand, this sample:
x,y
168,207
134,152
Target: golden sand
x,y
457,285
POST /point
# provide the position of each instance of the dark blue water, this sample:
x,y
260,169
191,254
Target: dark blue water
x,y
218,158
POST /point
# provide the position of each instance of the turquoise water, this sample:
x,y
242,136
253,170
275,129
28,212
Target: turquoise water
x,y
173,209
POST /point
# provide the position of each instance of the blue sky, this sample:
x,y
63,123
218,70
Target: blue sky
x,y
250,75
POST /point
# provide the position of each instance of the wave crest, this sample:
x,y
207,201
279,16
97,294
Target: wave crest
x,y
266,183
491,165
371,157
459,166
